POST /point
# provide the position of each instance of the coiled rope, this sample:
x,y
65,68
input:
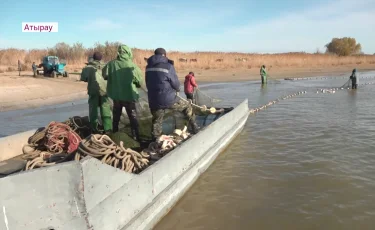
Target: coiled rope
x,y
56,139
104,149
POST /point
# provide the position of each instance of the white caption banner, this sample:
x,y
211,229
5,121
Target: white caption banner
x,y
38,27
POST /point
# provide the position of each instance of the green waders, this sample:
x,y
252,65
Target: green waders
x,y
102,102
264,79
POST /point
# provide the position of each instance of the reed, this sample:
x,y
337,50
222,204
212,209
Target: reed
x,y
76,57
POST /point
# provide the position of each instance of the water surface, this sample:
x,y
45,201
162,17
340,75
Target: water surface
x,y
304,163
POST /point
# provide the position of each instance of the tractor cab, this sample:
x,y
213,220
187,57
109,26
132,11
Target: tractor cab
x,y
53,67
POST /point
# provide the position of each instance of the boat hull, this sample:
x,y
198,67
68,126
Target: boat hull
x,y
92,195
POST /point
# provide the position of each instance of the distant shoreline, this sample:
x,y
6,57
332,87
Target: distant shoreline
x,y
24,92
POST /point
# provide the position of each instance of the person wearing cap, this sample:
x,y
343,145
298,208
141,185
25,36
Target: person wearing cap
x,y
124,78
263,74
354,79
189,86
97,91
163,86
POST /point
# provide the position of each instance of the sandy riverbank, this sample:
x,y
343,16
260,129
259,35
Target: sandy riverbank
x,y
21,92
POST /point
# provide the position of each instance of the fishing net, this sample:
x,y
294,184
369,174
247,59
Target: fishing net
x,y
347,84
172,119
200,98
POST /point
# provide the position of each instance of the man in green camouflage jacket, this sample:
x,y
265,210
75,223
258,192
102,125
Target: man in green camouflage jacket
x,y
97,91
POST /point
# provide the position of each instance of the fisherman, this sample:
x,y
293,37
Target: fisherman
x,y
97,91
163,87
189,86
354,79
89,59
124,78
263,74
19,68
34,68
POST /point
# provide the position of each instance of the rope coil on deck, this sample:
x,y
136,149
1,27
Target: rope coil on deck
x,y
102,147
56,140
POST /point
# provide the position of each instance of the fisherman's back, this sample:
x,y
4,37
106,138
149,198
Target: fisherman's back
x,y
123,77
162,82
92,74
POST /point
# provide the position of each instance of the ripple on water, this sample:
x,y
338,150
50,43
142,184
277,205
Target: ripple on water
x,y
304,163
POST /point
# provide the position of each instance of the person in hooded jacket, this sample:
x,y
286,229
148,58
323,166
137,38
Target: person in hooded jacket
x,y
97,91
163,85
263,74
354,79
189,86
124,78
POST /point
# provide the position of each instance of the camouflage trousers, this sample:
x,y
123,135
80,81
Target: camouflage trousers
x,y
158,116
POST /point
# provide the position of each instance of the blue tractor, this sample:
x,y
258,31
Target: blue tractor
x,y
52,67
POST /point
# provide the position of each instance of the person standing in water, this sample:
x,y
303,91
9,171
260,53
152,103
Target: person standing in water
x,y
263,74
354,79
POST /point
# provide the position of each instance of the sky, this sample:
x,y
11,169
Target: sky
x,y
268,26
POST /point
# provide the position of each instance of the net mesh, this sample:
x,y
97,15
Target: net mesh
x,y
200,98
347,84
172,119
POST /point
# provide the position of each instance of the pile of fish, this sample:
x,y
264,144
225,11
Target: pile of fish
x,y
166,143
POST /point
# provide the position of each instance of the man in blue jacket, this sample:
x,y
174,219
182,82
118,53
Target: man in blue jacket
x,y
162,84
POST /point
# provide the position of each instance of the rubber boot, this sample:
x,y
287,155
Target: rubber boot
x,y
194,128
135,132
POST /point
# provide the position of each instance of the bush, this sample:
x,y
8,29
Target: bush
x,y
344,46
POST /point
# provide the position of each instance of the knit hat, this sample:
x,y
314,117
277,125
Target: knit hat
x,y
160,51
97,56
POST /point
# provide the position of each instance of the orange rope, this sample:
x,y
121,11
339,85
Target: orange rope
x,y
61,138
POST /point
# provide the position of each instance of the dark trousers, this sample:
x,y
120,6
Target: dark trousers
x,y
189,96
354,86
131,111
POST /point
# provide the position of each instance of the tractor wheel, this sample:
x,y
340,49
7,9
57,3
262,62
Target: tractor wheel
x,y
53,74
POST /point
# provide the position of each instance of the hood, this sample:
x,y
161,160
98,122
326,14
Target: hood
x,y
124,53
354,70
156,59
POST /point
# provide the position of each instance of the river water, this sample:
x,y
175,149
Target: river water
x,y
304,163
